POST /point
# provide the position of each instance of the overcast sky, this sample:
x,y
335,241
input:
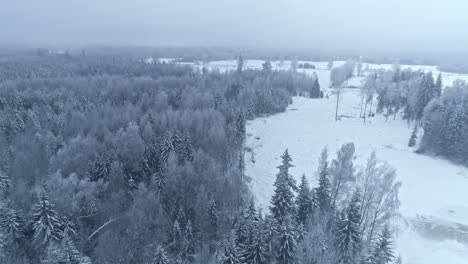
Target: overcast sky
x,y
387,25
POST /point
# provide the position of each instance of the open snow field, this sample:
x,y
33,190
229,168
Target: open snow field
x,y
434,195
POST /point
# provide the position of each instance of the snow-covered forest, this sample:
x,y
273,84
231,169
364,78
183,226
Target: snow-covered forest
x,y
125,158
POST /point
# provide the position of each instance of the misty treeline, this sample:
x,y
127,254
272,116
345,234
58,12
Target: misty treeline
x,y
345,216
421,99
342,73
107,159
459,67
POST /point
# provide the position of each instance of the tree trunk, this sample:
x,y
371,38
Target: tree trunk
x,y
337,103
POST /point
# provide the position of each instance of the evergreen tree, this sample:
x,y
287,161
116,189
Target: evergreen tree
x,y
251,213
323,190
160,256
11,223
230,255
438,85
64,252
100,169
287,244
267,67
315,89
348,231
5,185
46,224
282,201
256,251
284,170
414,136
453,134
303,201
177,237
240,64
189,241
213,212
383,252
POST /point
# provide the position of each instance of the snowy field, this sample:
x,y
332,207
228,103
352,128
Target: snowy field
x,y
324,73
434,194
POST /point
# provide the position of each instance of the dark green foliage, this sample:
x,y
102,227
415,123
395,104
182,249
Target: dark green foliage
x,y
160,256
348,237
303,201
45,220
383,251
323,190
282,201
414,136
445,125
230,255
287,244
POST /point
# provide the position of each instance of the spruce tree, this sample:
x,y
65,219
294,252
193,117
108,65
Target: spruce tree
x,y
282,201
230,255
45,220
303,201
348,231
11,223
323,190
383,252
438,85
414,135
5,185
64,252
189,241
287,244
160,256
213,212
256,252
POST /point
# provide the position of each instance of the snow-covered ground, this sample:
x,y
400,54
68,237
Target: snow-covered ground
x,y
434,195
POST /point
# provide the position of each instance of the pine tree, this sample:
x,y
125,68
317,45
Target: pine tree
x,y
383,252
46,224
414,135
160,256
303,201
287,244
323,190
348,231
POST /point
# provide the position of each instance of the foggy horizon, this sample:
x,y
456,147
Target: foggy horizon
x,y
361,26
